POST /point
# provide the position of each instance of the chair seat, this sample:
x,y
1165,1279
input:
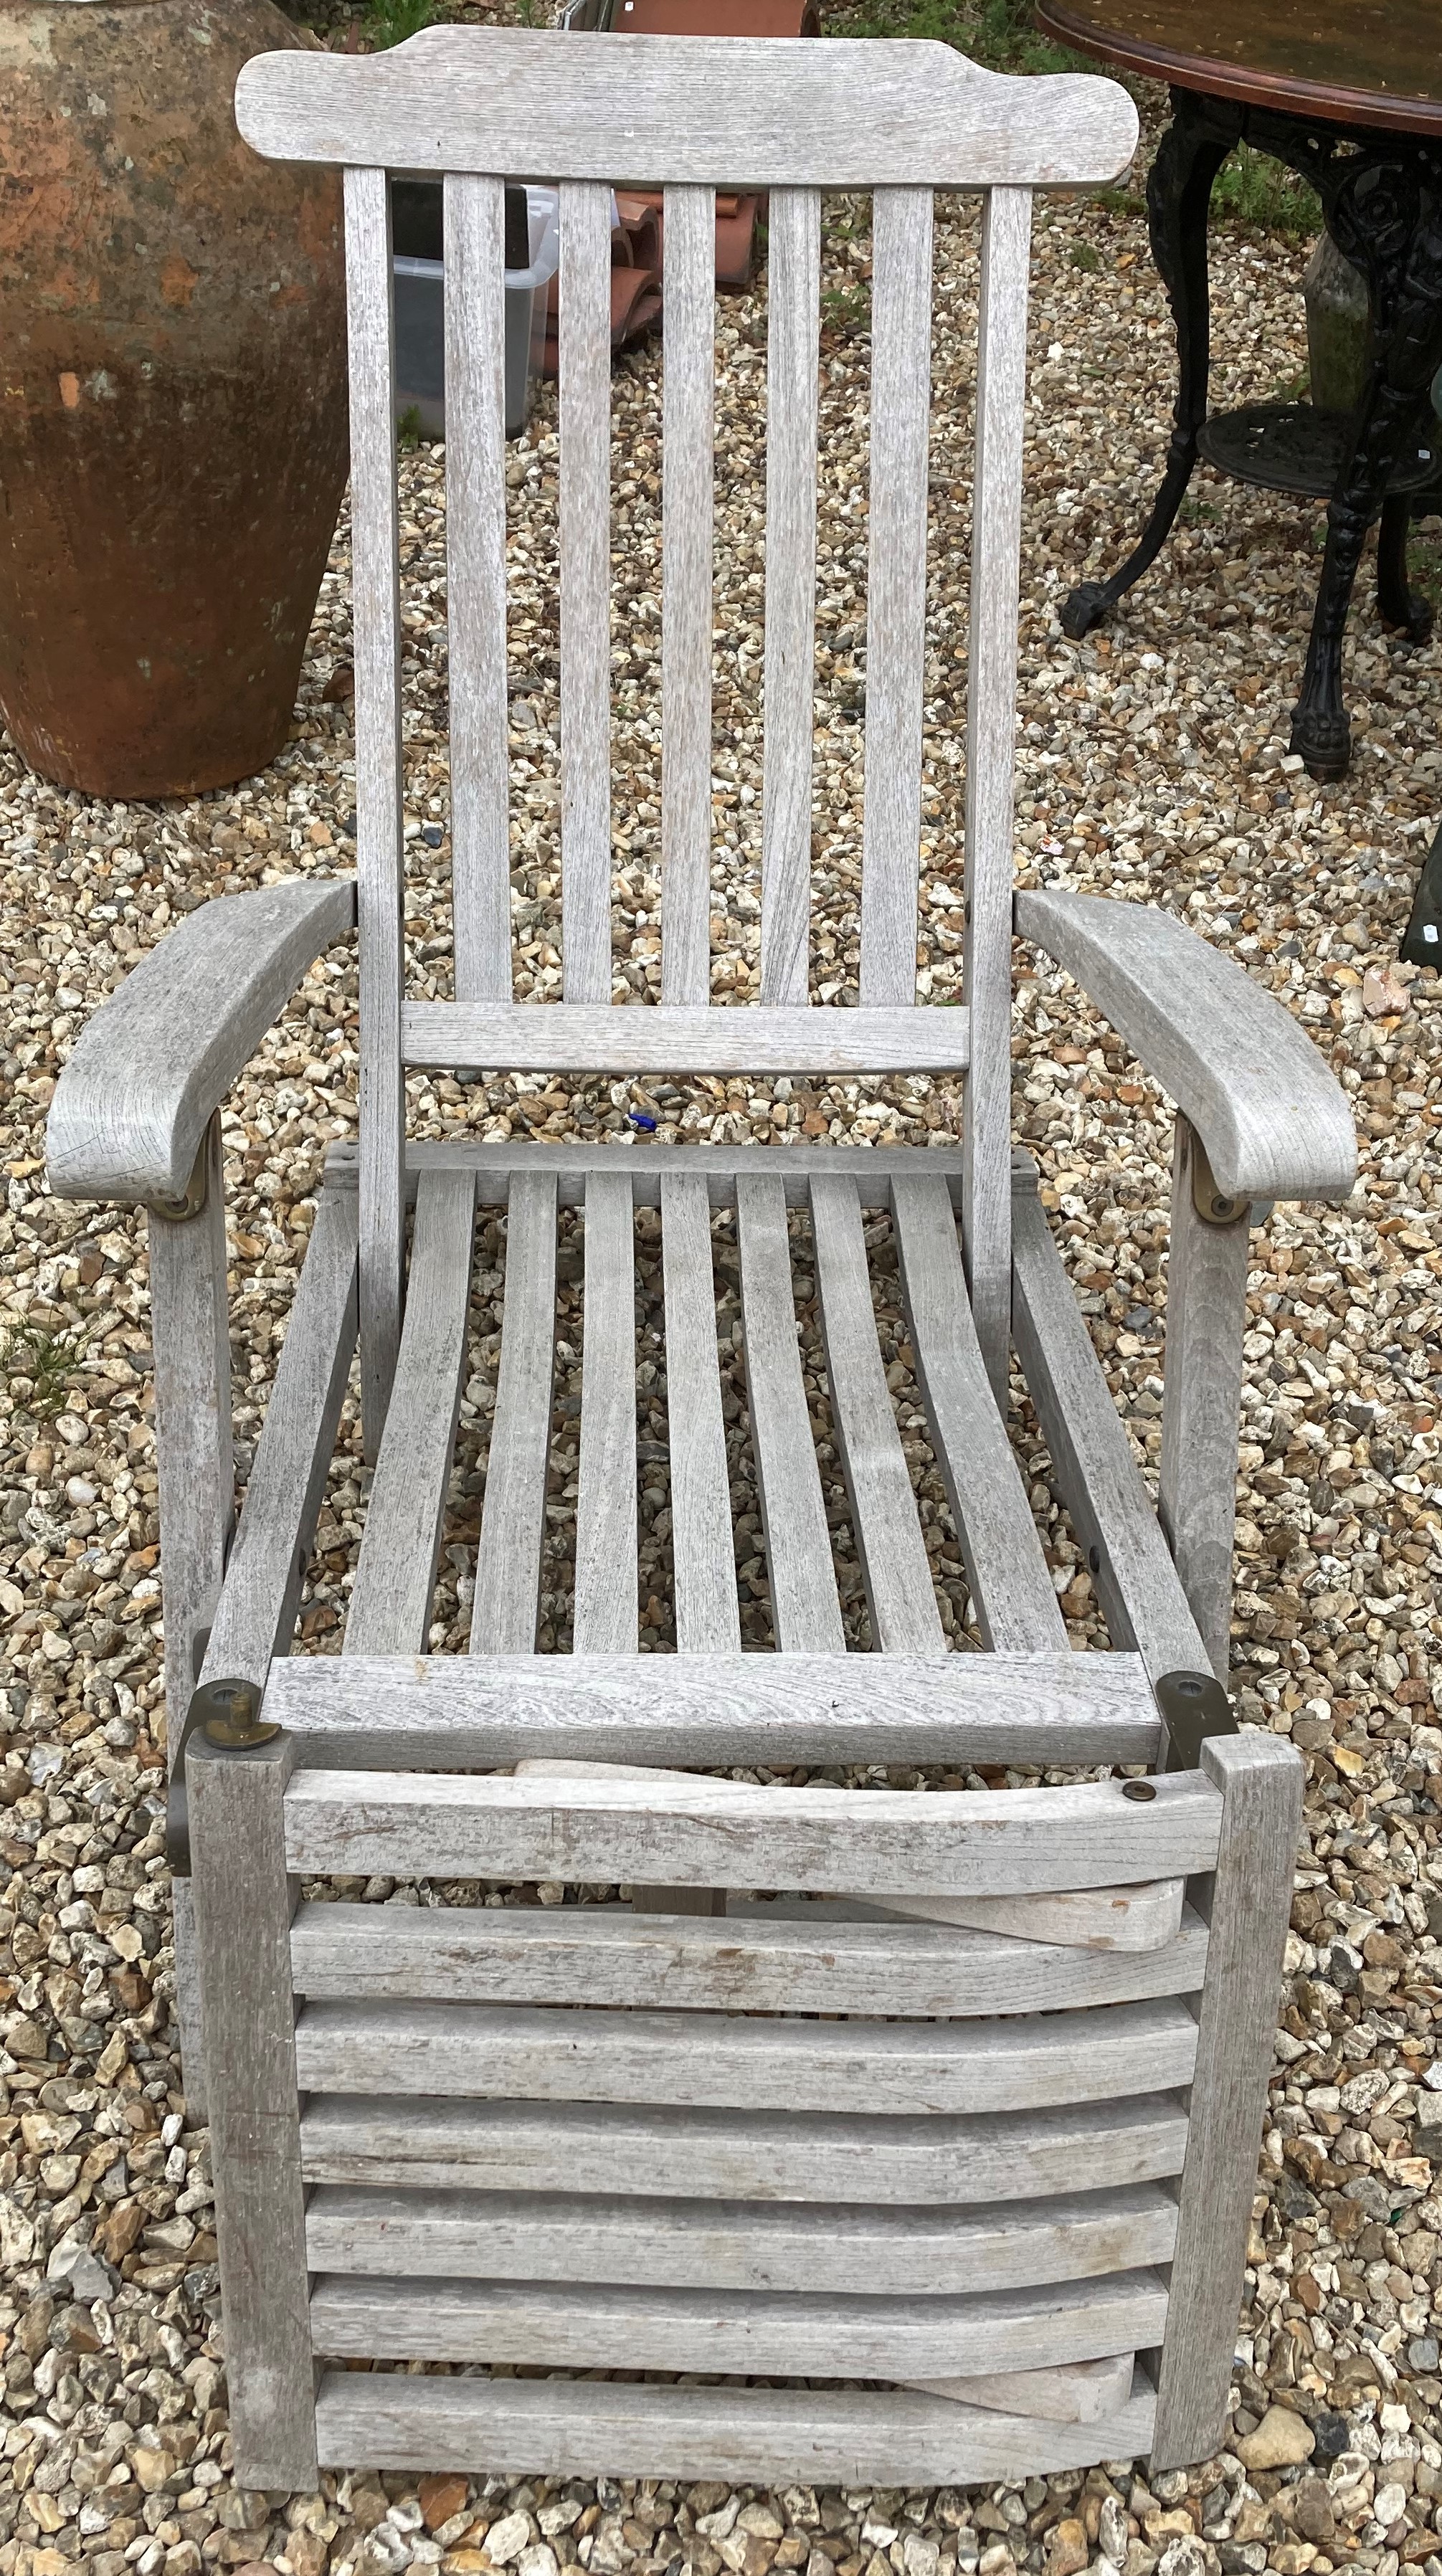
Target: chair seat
x,y
736,1404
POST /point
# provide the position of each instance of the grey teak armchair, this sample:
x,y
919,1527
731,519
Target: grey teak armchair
x,y
899,2134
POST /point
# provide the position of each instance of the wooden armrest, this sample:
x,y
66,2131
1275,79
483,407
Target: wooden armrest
x,y
155,1062
1272,1116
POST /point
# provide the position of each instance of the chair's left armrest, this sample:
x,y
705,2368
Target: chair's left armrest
x,y
150,1069
1272,1117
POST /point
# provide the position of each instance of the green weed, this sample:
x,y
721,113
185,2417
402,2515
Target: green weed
x,y
35,1366
390,22
998,33
1085,255
1262,195
408,428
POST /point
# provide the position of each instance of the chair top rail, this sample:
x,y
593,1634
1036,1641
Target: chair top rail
x,y
518,100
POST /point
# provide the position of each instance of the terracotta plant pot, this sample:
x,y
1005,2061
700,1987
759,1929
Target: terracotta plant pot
x,y
173,399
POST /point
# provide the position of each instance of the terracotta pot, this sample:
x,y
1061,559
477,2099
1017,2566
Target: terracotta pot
x,y
172,396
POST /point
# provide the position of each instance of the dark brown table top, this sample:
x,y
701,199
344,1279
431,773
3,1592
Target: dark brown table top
x,y
1362,62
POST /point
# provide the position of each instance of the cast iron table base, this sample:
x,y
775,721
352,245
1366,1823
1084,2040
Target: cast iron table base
x,y
1381,196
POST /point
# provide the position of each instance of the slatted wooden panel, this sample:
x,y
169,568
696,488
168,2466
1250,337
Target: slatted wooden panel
x,y
708,1619
737,2245
689,364
815,2156
585,525
793,289
804,1606
390,1606
811,1957
990,759
896,589
447,1713
727,1833
513,1524
475,240
899,1591
606,1616
618,2326
1015,1604
841,2437
379,781
776,2062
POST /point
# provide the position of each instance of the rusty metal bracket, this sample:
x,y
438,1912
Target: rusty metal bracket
x,y
228,1714
1212,1204
192,1199
1193,1706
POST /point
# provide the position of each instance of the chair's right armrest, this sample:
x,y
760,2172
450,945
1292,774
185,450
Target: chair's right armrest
x,y
149,1070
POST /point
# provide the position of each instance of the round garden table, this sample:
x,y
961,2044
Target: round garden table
x,y
1349,93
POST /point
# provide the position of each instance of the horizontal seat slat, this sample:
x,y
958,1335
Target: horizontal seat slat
x,y
814,1959
609,2326
736,2245
903,2069
664,1037
562,2427
725,1833
415,1712
736,2155
874,1166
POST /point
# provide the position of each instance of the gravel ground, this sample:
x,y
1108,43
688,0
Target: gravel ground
x,y
1153,764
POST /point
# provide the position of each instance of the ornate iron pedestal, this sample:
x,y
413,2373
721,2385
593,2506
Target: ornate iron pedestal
x,y
1381,195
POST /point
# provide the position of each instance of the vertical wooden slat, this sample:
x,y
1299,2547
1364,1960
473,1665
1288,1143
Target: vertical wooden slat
x,y
585,540
379,783
689,329
805,1612
899,1591
195,1469
475,303
255,1618
1016,1607
793,264
990,755
390,1608
896,589
1246,1905
243,1904
707,1618
513,1524
607,1604
1201,1408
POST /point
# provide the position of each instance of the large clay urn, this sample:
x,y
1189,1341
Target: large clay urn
x,y
172,396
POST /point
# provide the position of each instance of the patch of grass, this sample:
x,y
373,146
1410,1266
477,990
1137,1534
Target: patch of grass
x,y
36,1364
1259,194
998,33
408,428
1119,201
1085,255
846,310
1424,568
390,22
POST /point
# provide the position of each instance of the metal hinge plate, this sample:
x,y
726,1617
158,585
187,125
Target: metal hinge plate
x,y
1193,1706
228,1714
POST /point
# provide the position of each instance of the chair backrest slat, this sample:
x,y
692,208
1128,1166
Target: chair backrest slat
x,y
901,228
793,322
689,394
585,539
990,758
379,787
475,321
